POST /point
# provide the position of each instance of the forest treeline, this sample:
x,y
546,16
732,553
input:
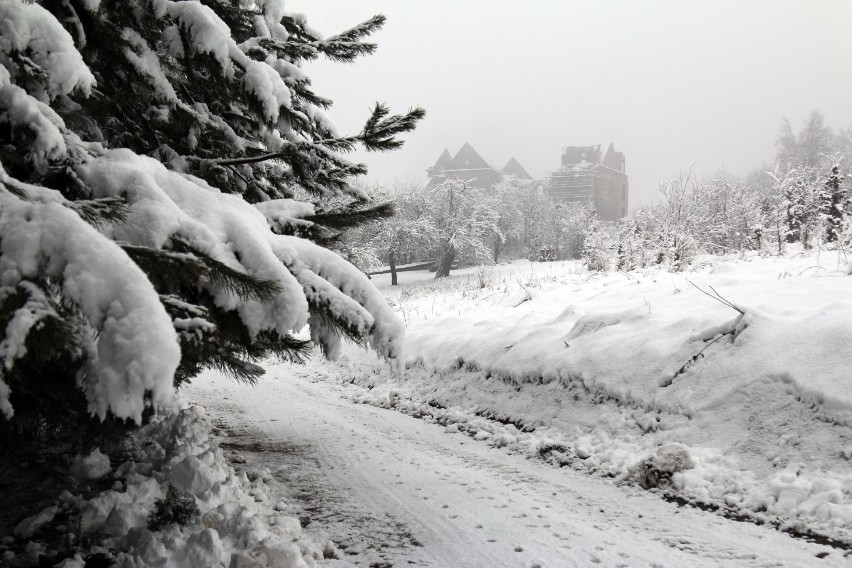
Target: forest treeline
x,y
803,198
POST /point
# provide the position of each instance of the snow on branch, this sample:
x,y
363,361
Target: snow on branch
x,y
39,53
163,204
122,193
25,113
385,334
135,350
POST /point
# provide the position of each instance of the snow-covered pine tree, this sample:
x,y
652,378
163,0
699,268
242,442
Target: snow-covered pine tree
x,y
796,201
150,153
833,199
597,246
628,254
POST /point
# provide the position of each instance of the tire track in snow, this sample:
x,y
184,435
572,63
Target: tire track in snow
x,y
380,483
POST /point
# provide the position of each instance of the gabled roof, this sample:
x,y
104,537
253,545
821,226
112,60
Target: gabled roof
x,y
514,168
442,163
610,155
613,159
467,159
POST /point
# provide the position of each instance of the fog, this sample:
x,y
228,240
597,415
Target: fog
x,y
670,83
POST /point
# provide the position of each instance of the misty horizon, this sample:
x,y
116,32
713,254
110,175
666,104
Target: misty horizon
x,y
672,85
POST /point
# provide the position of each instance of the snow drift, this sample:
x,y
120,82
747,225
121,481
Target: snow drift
x,y
602,371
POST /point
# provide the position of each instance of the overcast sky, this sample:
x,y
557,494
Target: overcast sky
x,y
668,82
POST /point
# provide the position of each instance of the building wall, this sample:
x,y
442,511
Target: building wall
x,y
611,192
583,178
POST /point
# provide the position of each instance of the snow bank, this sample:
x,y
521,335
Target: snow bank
x,y
601,371
234,523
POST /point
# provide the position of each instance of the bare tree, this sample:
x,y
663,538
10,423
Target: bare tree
x,y
464,215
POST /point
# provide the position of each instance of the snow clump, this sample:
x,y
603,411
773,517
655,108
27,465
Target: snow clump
x,y
230,521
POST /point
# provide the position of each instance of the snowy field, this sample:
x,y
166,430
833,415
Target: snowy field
x,y
541,385
547,417
381,488
645,378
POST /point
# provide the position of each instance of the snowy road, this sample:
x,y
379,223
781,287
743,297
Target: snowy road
x,y
392,490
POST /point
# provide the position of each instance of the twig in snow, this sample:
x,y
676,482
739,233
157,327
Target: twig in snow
x,y
718,297
697,356
676,289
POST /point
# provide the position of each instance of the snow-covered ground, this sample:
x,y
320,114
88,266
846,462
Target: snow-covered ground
x,y
547,417
612,367
614,386
174,500
607,367
388,489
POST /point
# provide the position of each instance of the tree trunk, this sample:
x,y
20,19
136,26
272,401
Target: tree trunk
x,y
778,231
496,248
392,262
446,262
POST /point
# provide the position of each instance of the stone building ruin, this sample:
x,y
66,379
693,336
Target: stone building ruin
x,y
586,177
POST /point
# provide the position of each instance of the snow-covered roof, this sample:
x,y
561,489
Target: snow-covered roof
x,y
467,159
514,168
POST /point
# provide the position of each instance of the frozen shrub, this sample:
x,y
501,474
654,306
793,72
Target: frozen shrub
x,y
659,467
177,508
597,247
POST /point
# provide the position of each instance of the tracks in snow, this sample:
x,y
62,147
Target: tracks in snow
x,y
391,490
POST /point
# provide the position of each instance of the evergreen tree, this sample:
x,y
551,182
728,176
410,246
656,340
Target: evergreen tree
x,y
151,154
833,199
629,251
794,205
597,247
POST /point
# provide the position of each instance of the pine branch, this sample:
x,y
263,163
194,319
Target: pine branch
x,y
169,271
326,319
351,216
101,212
229,279
379,135
362,30
379,132
238,369
347,46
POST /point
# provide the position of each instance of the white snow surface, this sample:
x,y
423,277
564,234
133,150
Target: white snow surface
x,y
381,488
587,365
91,466
235,523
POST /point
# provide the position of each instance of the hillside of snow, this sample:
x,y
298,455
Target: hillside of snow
x,y
742,403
